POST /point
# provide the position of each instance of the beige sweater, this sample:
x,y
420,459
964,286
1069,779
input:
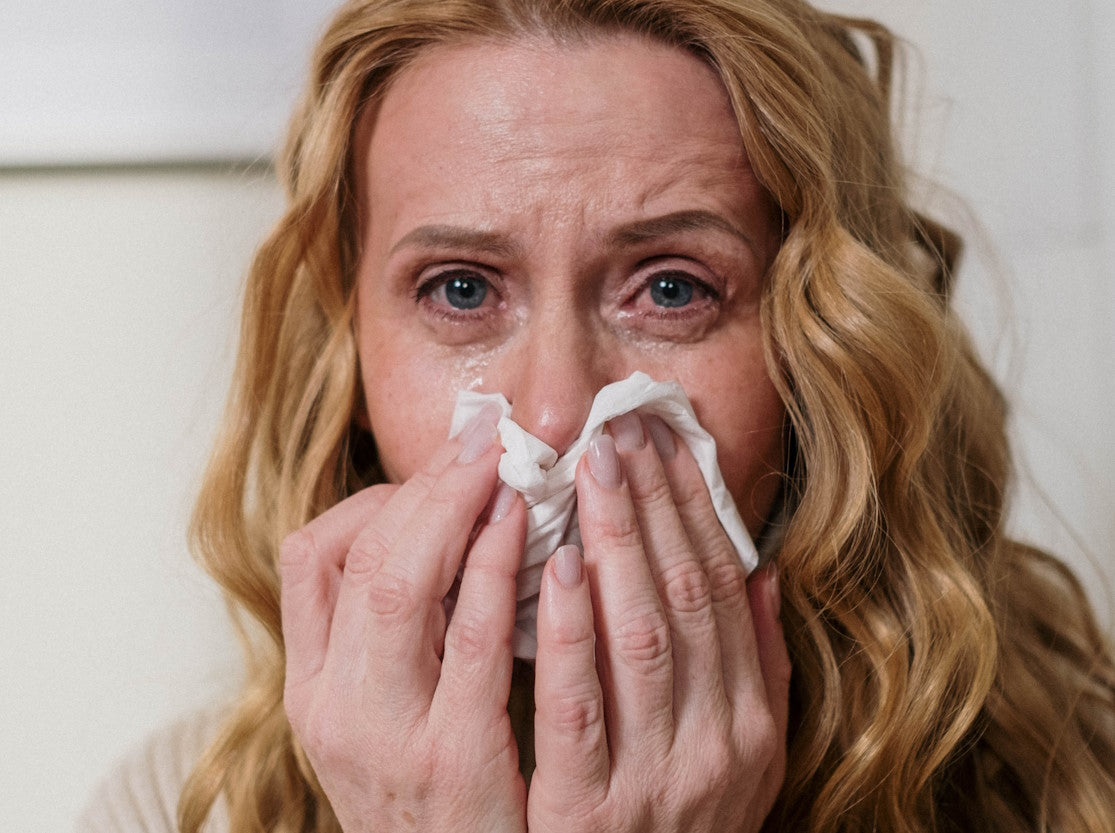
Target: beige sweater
x,y
140,793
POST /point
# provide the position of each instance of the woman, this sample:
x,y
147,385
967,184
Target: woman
x,y
537,198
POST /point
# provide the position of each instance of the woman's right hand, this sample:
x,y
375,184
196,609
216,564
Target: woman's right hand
x,y
404,722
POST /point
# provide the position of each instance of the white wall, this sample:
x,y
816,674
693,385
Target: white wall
x,y
118,295
1011,110
117,305
124,80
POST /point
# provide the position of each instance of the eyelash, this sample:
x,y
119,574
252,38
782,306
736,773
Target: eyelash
x,y
426,288
705,293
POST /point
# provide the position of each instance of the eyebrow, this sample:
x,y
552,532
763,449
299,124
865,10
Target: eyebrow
x,y
626,236
678,222
457,237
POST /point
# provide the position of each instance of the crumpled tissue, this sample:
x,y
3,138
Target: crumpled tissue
x,y
545,480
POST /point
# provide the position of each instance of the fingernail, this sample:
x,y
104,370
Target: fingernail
x,y
627,429
662,437
478,436
603,461
501,506
567,566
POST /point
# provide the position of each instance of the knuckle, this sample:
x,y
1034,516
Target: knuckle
x,y
685,588
317,732
620,530
297,551
366,556
690,493
575,711
643,642
442,500
389,596
468,638
570,638
657,492
727,580
758,739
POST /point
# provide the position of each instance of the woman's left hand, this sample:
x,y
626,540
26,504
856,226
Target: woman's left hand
x,y
662,677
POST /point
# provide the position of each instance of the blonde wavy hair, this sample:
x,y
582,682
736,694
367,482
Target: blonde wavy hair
x,y
945,678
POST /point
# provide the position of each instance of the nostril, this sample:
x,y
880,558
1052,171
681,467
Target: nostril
x,y
556,381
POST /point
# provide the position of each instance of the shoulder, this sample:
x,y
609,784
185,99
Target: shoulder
x,y
140,792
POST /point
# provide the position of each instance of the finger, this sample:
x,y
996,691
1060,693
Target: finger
x,y
774,659
634,653
679,576
476,669
311,562
463,449
570,739
389,619
726,575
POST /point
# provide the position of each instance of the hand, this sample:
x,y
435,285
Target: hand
x,y
404,722
662,677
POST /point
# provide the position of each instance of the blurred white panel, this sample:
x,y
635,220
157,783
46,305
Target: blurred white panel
x,y
997,108
117,307
1100,51
126,80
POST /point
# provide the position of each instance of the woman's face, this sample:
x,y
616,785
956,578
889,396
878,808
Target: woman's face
x,y
543,219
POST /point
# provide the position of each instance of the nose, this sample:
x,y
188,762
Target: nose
x,y
553,376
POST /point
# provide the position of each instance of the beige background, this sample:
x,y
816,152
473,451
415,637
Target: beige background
x,y
118,296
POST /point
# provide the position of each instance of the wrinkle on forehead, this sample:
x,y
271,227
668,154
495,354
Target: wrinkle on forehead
x,y
540,129
540,101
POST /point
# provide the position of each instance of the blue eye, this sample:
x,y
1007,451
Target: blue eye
x,y
671,290
462,291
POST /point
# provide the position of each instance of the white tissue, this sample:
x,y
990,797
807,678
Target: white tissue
x,y
545,481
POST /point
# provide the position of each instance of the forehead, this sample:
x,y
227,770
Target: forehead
x,y
532,81
489,103
553,145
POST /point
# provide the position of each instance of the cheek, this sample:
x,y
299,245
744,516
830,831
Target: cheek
x,y
750,451
408,399
410,383
404,419
747,423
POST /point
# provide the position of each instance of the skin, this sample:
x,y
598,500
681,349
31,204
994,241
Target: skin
x,y
463,139
556,184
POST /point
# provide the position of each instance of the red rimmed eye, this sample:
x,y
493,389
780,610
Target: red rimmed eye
x,y
457,289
